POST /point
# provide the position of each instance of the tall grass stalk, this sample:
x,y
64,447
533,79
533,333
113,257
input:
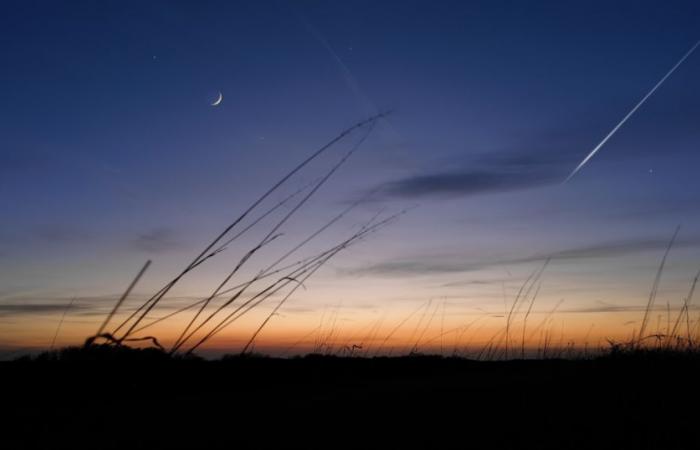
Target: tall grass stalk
x,y
147,306
655,287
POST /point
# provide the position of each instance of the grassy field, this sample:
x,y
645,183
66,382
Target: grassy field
x,y
103,397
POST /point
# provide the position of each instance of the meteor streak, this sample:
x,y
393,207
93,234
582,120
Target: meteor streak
x,y
629,114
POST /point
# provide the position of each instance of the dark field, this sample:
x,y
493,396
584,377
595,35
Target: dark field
x,y
105,399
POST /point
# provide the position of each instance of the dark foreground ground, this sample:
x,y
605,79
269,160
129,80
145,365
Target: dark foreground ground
x,y
103,400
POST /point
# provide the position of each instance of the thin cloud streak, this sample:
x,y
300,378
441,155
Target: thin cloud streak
x,y
464,183
539,162
617,309
157,240
445,264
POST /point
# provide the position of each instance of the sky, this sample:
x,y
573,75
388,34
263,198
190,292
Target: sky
x,y
112,154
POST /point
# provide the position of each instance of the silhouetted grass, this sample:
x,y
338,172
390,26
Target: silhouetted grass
x,y
205,324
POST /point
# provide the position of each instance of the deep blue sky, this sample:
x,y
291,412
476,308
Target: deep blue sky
x,y
110,153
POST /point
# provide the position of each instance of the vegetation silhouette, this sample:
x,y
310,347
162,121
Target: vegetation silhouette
x,y
626,398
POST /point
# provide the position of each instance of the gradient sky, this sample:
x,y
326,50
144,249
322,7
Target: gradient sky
x,y
111,155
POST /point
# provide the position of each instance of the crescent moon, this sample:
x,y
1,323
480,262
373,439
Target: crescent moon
x,y
218,100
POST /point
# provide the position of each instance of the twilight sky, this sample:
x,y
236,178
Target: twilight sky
x,y
110,155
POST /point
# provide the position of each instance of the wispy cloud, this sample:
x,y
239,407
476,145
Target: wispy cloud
x,y
621,247
59,233
459,262
489,282
158,240
618,309
532,162
467,182
37,305
15,309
